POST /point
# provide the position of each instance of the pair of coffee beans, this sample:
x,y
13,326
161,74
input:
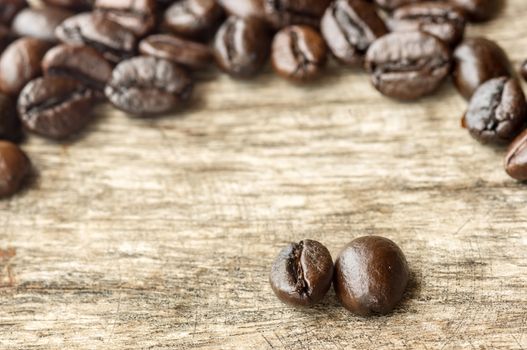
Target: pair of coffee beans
x,y
369,276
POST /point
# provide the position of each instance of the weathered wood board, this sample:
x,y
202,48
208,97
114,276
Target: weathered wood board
x,y
159,234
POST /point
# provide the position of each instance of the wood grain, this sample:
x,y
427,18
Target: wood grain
x,y
159,234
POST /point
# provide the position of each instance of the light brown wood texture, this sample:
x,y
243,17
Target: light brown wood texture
x,y
159,234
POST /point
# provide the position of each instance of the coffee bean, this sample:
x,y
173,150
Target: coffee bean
x,y
244,9
350,27
40,23
407,65
298,53
9,9
516,158
191,54
477,60
146,86
138,16
479,10
20,63
371,274
195,19
10,128
241,46
14,168
56,107
71,4
81,63
437,18
282,13
109,38
497,111
302,272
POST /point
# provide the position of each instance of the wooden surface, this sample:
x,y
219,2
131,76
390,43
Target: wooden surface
x,y
160,234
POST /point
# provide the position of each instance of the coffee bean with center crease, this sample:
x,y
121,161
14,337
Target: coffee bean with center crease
x,y
350,27
497,111
10,127
244,9
14,168
111,39
138,16
407,65
302,272
298,53
39,23
56,107
20,62
440,19
147,86
241,46
371,275
479,10
71,4
196,19
281,13
477,60
81,63
9,9
188,53
516,158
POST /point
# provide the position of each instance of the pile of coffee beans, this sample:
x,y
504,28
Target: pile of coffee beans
x,y
60,58
369,276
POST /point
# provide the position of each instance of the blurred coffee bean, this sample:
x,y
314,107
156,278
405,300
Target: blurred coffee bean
x,y
10,127
196,19
39,23
138,16
188,53
9,9
244,9
516,158
479,10
281,13
14,168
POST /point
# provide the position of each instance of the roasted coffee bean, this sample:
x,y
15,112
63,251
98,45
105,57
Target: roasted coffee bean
x,y
477,60
440,19
244,9
81,63
282,13
241,46
71,4
298,53
20,63
407,65
9,9
302,272
516,158
350,27
138,16
146,86
10,127
14,168
56,107
40,23
188,53
109,38
497,111
196,19
479,10
371,274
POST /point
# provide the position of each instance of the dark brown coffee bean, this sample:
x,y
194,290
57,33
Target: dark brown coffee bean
x,y
20,63
301,274
516,158
109,38
81,63
371,274
56,107
40,23
138,16
497,111
298,53
479,10
196,19
241,46
407,65
71,4
10,127
282,13
147,86
14,168
9,9
350,27
191,54
477,60
439,19
244,9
